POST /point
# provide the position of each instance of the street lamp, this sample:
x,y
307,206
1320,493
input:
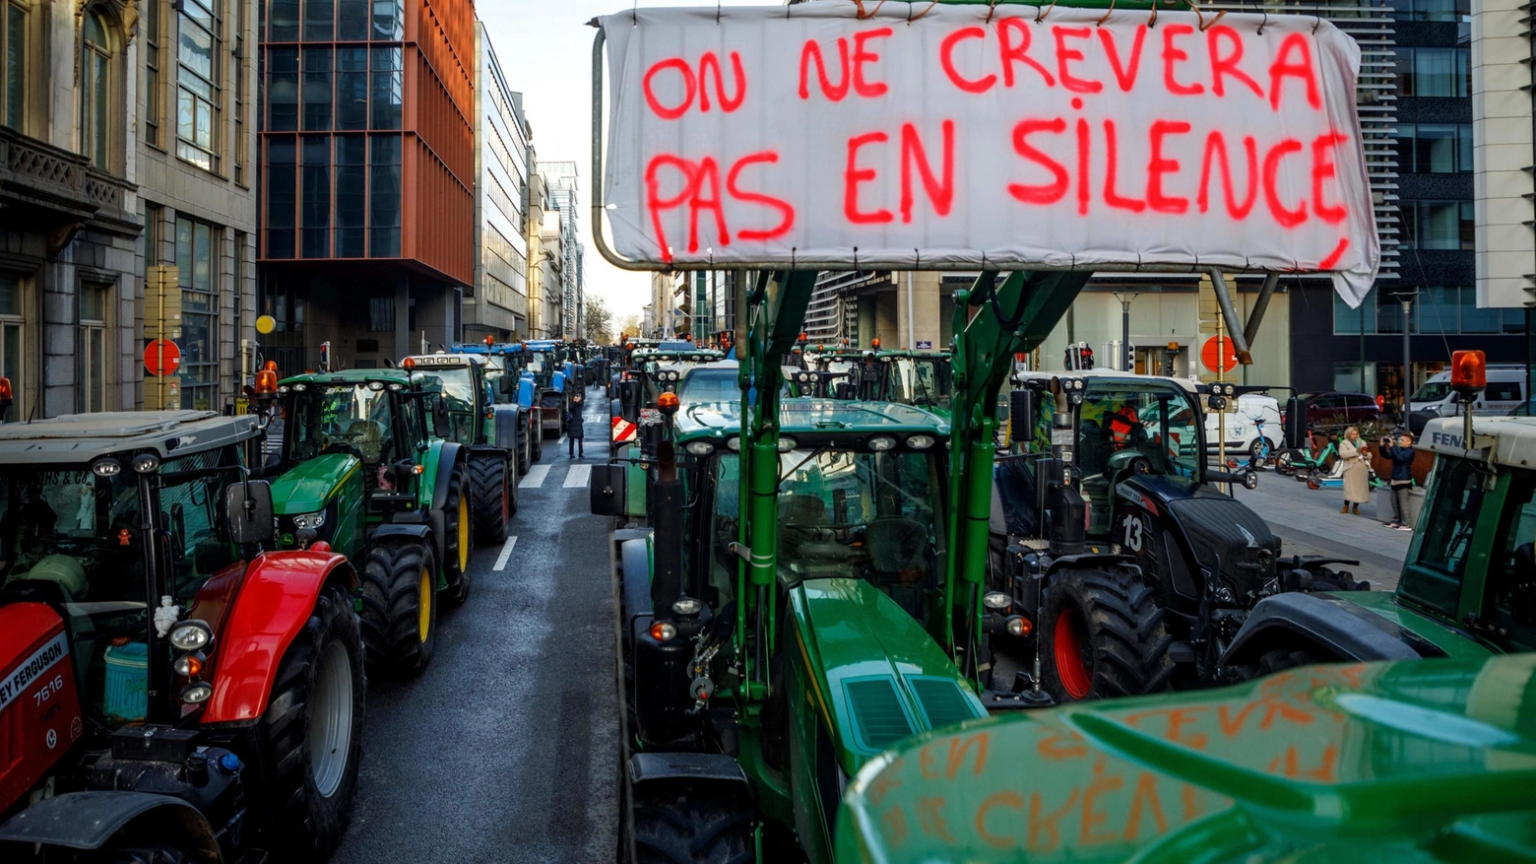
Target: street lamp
x,y
1406,299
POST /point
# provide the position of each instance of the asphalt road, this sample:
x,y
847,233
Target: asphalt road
x,y
504,749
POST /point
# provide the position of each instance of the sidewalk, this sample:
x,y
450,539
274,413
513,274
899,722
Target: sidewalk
x,y
1308,522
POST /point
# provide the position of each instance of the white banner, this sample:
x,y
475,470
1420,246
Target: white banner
x,y
803,136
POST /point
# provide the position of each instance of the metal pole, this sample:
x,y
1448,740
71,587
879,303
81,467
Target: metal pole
x,y
1407,359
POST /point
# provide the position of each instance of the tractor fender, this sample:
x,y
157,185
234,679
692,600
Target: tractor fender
x,y
635,558
525,391
275,601
391,532
1336,628
488,451
86,820
506,420
693,769
446,459
1091,560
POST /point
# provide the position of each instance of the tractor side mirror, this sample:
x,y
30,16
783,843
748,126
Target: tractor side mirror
x,y
248,512
608,489
440,427
1022,410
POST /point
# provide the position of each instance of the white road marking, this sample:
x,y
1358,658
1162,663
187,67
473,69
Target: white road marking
x,y
535,477
578,476
506,552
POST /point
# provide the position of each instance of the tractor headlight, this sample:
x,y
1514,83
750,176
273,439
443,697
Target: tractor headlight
x,y
687,607
189,665
196,693
300,388
733,444
787,443
921,442
146,463
1250,480
881,443
311,521
191,636
1018,625
106,467
396,387
996,600
375,386
661,631
699,448
283,389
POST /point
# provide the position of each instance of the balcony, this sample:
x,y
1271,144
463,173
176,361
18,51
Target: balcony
x,y
55,192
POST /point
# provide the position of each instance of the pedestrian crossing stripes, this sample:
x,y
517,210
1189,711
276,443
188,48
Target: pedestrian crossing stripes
x,y
535,477
578,476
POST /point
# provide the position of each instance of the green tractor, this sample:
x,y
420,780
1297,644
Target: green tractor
x,y
1468,585
1414,761
365,467
172,689
921,378
492,433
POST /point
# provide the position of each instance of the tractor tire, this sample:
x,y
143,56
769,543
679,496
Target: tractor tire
x,y
1103,636
399,610
524,454
691,827
494,503
310,740
119,854
457,532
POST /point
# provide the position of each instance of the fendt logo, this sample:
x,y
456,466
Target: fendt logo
x,y
1445,439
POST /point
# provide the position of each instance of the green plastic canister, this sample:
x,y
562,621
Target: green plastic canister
x,y
127,681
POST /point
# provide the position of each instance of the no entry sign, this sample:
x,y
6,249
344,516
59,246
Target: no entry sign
x,y
804,136
1218,355
162,357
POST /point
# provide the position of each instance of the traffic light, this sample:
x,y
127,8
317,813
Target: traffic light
x,y
1087,356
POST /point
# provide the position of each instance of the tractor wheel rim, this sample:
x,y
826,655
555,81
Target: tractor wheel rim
x,y
330,721
463,534
1069,639
424,605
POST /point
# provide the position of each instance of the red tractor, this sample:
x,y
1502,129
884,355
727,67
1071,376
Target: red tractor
x,y
169,691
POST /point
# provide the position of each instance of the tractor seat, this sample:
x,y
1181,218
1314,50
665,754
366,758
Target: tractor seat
x,y
368,437
802,510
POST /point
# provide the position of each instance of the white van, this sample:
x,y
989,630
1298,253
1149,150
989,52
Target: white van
x,y
1257,417
1506,389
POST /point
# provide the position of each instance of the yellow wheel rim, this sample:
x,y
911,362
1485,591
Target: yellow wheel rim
x,y
463,534
424,604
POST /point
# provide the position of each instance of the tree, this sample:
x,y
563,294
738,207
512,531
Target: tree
x,y
630,324
598,319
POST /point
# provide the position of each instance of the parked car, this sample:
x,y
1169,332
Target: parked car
x,y
1504,393
1257,419
1334,410
1523,409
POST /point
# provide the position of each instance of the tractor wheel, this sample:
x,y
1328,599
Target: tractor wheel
x,y
120,854
688,827
524,455
399,607
493,501
457,533
310,740
1103,636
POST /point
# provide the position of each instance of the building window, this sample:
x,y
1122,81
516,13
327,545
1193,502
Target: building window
x,y
1436,310
283,90
1437,224
196,264
282,195
1430,10
15,90
242,151
388,88
92,356
197,95
316,216
96,90
317,89
381,314
353,23
388,20
351,195
317,20
239,285
1443,72
11,324
152,71
1434,148
285,21
384,196
351,88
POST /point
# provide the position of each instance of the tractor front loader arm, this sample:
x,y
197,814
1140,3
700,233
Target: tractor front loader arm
x,y
995,319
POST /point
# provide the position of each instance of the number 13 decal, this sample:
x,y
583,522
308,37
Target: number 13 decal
x,y
1133,532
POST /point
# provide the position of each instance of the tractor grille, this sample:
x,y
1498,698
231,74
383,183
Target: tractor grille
x,y
877,713
942,701
1216,527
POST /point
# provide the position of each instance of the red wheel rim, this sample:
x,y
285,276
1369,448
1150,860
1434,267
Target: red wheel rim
x,y
1070,641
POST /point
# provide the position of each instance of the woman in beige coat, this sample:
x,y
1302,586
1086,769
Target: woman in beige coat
x,y
1357,471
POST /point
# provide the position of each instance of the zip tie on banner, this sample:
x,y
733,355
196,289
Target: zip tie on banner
x,y
855,257
1318,22
1152,21
1108,12
1204,25
992,10
918,17
1264,22
1041,16
717,10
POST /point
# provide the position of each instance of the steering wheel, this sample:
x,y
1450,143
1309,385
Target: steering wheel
x,y
1140,465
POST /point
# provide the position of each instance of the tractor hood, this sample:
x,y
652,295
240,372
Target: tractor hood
x,y
883,676
1415,761
310,485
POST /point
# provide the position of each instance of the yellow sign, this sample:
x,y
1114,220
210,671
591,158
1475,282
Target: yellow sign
x,y
265,324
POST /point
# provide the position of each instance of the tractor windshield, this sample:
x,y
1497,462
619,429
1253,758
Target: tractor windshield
x,y
457,385
355,419
921,381
1127,428
845,514
709,385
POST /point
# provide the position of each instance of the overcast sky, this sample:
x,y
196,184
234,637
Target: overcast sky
x,y
545,49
